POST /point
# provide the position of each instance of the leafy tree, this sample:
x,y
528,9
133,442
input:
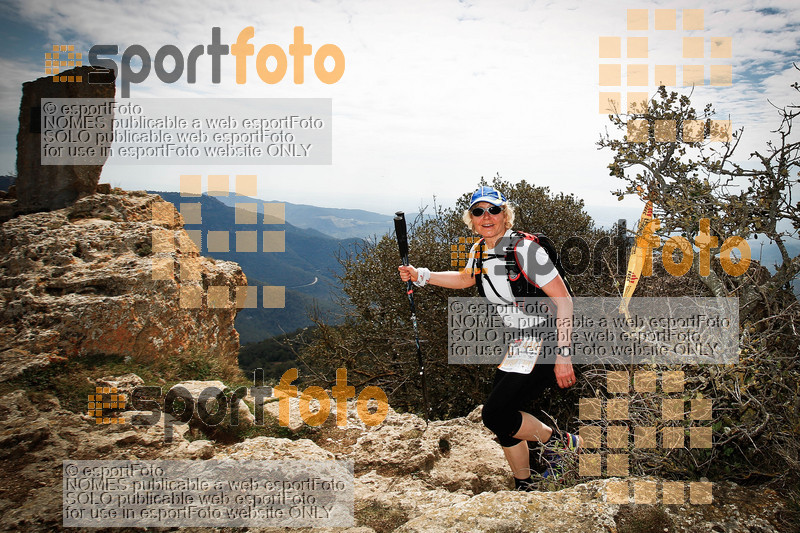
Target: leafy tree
x,y
694,177
274,355
688,177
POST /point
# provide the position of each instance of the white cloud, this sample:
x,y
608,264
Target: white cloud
x,y
10,86
437,94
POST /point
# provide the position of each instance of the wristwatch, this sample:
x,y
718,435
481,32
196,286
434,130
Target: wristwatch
x,y
564,351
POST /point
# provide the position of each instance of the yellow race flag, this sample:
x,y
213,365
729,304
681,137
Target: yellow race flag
x,y
641,259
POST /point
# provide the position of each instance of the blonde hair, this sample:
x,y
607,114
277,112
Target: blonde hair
x,y
509,214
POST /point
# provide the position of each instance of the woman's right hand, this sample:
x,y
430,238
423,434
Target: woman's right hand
x,y
408,273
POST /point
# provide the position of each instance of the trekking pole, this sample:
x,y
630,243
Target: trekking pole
x,y
402,243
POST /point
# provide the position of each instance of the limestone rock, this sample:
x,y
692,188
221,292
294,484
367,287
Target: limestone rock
x,y
80,280
45,187
36,436
457,454
295,422
475,415
578,509
354,529
194,450
165,430
195,388
15,361
272,449
469,459
396,447
207,390
124,384
200,449
411,494
584,508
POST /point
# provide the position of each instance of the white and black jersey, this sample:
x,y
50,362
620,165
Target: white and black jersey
x,y
495,281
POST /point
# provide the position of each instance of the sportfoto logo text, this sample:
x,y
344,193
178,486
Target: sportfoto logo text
x,y
170,63
211,406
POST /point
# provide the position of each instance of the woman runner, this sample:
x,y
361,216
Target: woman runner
x,y
492,217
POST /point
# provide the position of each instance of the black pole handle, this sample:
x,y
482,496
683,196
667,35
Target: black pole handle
x,y
402,235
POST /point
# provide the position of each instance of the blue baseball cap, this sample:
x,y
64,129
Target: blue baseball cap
x,y
487,194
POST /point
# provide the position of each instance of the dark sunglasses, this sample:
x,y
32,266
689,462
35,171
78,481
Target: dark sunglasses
x,y
494,210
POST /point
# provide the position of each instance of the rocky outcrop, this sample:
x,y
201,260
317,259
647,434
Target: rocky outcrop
x,y
437,494
14,361
212,395
80,280
45,187
579,509
456,455
36,435
450,475
274,449
124,384
584,509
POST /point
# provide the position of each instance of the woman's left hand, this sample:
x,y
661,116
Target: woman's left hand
x,y
565,375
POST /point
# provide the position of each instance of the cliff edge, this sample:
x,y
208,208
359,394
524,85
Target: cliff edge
x,y
112,274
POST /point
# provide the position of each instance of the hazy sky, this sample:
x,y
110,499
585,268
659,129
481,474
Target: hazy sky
x,y
435,94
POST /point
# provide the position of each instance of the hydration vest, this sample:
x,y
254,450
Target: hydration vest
x,y
521,285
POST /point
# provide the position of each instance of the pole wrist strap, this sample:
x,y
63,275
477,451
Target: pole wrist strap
x,y
423,275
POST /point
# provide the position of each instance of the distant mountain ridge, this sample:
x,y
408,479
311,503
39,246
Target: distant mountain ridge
x,y
335,222
307,268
